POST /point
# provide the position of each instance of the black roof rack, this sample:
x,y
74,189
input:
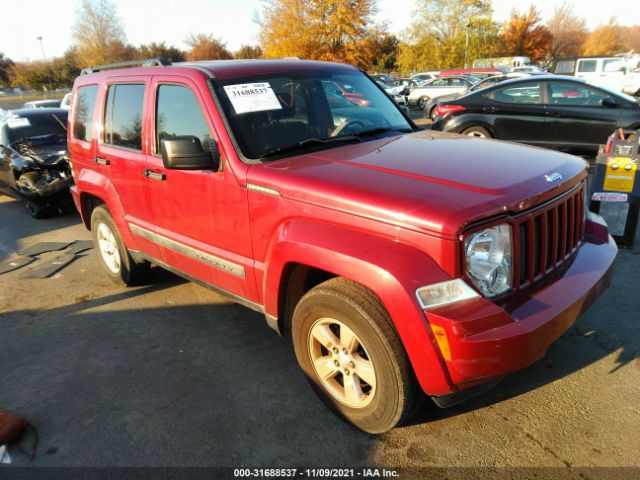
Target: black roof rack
x,y
150,62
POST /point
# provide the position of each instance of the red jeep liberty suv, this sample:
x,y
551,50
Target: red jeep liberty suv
x,y
397,260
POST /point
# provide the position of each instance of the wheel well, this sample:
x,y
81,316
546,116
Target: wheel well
x,y
88,203
297,279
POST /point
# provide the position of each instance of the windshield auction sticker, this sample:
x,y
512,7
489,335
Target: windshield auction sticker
x,y
252,97
18,122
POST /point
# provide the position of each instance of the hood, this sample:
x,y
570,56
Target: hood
x,y
49,154
429,181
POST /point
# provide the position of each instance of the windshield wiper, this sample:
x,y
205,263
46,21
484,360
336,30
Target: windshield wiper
x,y
309,142
379,130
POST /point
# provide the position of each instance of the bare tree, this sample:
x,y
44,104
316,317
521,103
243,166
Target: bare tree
x,y
569,32
98,34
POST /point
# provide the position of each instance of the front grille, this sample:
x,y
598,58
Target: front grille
x,y
546,237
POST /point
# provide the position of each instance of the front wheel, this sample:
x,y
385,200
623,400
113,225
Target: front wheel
x,y
345,344
27,186
422,102
115,259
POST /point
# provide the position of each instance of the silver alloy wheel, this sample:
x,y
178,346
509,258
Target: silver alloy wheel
x,y
476,134
108,247
342,363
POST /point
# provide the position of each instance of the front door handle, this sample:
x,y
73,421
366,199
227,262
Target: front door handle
x,y
554,113
154,175
101,160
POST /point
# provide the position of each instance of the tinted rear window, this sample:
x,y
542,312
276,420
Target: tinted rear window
x,y
123,116
83,114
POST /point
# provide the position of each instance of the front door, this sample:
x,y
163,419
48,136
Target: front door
x,y
200,216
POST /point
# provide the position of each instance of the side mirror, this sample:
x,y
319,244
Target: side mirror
x,y
609,102
186,153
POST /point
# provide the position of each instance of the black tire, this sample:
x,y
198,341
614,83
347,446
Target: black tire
x,y
396,394
432,112
422,102
477,131
129,272
27,183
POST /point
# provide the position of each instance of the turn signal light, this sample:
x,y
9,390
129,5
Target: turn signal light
x,y
442,110
443,343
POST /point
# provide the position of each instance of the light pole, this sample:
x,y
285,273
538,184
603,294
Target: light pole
x,y
44,57
466,45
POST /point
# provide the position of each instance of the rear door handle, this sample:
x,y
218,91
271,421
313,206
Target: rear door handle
x,y
154,175
554,113
490,109
101,160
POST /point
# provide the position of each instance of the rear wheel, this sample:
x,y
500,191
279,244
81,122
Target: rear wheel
x,y
477,132
115,259
27,185
432,112
345,344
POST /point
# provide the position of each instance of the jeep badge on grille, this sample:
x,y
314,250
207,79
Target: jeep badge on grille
x,y
553,177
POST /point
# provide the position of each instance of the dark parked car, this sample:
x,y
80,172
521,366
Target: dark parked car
x,y
547,110
430,107
34,165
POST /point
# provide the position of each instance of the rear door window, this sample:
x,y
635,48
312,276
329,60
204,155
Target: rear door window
x,y
123,116
587,66
523,93
83,113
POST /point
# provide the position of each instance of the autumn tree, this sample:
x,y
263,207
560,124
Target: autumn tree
x,y
384,52
437,37
632,37
525,35
605,40
568,32
248,51
334,30
5,66
155,49
98,34
206,47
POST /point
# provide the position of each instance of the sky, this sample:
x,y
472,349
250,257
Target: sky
x,y
231,20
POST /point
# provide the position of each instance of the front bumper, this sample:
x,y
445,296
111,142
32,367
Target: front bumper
x,y
487,341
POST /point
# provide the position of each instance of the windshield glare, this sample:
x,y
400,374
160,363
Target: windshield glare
x,y
270,112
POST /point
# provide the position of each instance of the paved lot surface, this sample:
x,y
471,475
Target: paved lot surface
x,y
171,374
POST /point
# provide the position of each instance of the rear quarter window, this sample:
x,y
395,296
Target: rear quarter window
x,y
83,113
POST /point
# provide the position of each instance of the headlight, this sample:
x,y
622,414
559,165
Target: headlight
x,y
488,258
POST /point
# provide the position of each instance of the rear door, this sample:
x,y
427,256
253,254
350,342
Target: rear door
x,y
121,152
516,112
576,116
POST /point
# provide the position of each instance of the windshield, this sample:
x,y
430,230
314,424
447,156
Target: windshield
x,y
273,113
36,126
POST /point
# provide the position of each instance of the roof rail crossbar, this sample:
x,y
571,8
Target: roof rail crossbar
x,y
149,62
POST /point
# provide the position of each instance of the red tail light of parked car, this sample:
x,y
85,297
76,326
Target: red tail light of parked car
x,y
442,110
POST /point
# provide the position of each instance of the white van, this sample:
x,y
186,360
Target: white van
x,y
617,72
